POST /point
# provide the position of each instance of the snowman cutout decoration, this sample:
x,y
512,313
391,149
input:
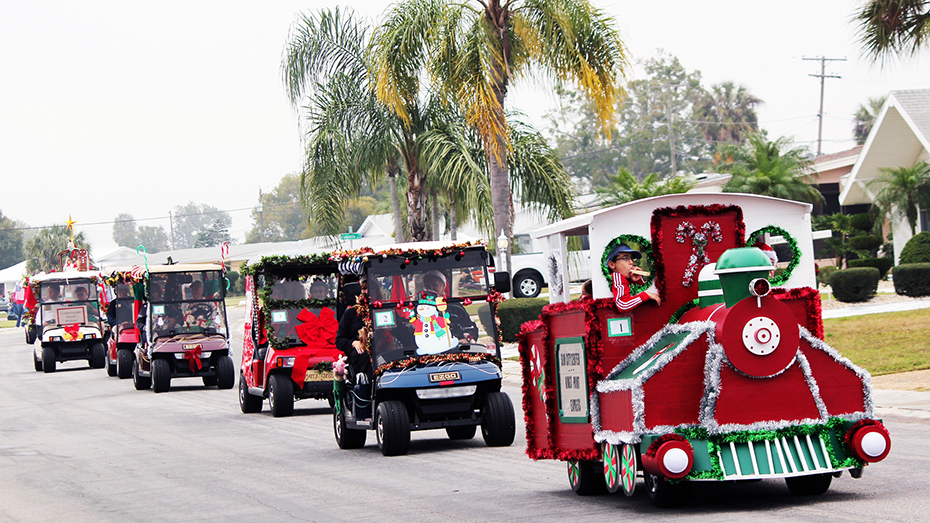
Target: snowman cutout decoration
x,y
431,326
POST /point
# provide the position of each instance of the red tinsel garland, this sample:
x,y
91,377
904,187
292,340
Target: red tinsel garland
x,y
812,299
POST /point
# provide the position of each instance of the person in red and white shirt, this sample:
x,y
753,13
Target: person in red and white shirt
x,y
620,261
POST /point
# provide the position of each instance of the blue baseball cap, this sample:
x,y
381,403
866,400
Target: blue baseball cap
x,y
620,249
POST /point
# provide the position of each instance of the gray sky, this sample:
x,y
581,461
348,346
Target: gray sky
x,y
111,107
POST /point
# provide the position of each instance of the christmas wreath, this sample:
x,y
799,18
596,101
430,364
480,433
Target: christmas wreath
x,y
644,246
757,235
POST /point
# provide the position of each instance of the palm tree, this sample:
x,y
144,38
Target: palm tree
x,y
769,168
476,48
352,138
892,27
904,191
625,188
865,117
43,248
728,113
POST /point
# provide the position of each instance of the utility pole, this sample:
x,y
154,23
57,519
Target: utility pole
x,y
261,217
823,75
171,226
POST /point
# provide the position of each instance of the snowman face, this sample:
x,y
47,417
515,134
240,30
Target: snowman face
x,y
425,311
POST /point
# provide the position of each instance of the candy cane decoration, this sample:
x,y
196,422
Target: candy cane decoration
x,y
699,239
145,256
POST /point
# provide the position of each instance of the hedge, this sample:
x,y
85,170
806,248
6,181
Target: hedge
x,y
824,273
865,242
852,285
514,313
917,249
912,279
862,221
882,264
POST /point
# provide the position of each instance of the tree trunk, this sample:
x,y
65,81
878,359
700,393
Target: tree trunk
x,y
416,195
497,144
434,216
393,171
453,227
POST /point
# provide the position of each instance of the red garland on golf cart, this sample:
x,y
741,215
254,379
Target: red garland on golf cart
x,y
727,379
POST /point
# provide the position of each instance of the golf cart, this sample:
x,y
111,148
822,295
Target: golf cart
x,y
66,324
433,365
290,328
120,315
183,328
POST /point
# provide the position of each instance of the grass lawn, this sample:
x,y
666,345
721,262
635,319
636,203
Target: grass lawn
x,y
883,343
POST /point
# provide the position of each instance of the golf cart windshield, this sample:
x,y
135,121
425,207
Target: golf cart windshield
x,y
187,303
66,302
299,306
442,306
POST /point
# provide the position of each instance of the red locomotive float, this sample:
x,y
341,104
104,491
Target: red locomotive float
x,y
727,379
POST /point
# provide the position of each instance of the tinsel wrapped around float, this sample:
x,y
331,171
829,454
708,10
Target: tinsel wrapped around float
x,y
728,379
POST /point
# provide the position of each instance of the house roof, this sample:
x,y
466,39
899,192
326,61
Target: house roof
x,y
899,138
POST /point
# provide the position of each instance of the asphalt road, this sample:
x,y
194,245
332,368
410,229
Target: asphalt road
x,y
77,446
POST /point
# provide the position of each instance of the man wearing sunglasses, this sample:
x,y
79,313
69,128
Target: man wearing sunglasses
x,y
621,264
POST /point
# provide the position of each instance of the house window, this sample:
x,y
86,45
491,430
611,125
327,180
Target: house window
x,y
924,220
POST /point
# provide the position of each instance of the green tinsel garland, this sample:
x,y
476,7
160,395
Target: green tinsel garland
x,y
792,243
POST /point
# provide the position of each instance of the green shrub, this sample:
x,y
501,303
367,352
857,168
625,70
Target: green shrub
x,y
865,242
882,264
917,249
852,285
912,279
824,273
863,222
514,313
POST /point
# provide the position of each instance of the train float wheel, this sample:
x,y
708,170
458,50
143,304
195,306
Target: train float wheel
x,y
586,478
611,458
665,494
628,469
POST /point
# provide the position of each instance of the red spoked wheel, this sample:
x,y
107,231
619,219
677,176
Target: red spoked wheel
x,y
628,469
611,459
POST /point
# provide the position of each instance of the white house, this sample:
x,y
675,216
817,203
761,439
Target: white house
x,y
900,137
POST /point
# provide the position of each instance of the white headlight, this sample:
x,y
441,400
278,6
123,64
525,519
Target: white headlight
x,y
446,392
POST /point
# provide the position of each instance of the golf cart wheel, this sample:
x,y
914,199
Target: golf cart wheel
x,y
111,367
38,363
248,403
280,395
665,494
31,334
98,356
813,485
346,438
498,425
48,359
225,373
124,360
140,382
393,428
586,477
161,375
462,431
208,381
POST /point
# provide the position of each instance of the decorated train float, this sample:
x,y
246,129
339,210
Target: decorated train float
x,y
728,379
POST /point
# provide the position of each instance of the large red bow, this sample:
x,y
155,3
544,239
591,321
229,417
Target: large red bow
x,y
317,329
193,356
72,331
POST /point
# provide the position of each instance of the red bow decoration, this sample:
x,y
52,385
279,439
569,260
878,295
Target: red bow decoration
x,y
73,331
315,329
193,356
